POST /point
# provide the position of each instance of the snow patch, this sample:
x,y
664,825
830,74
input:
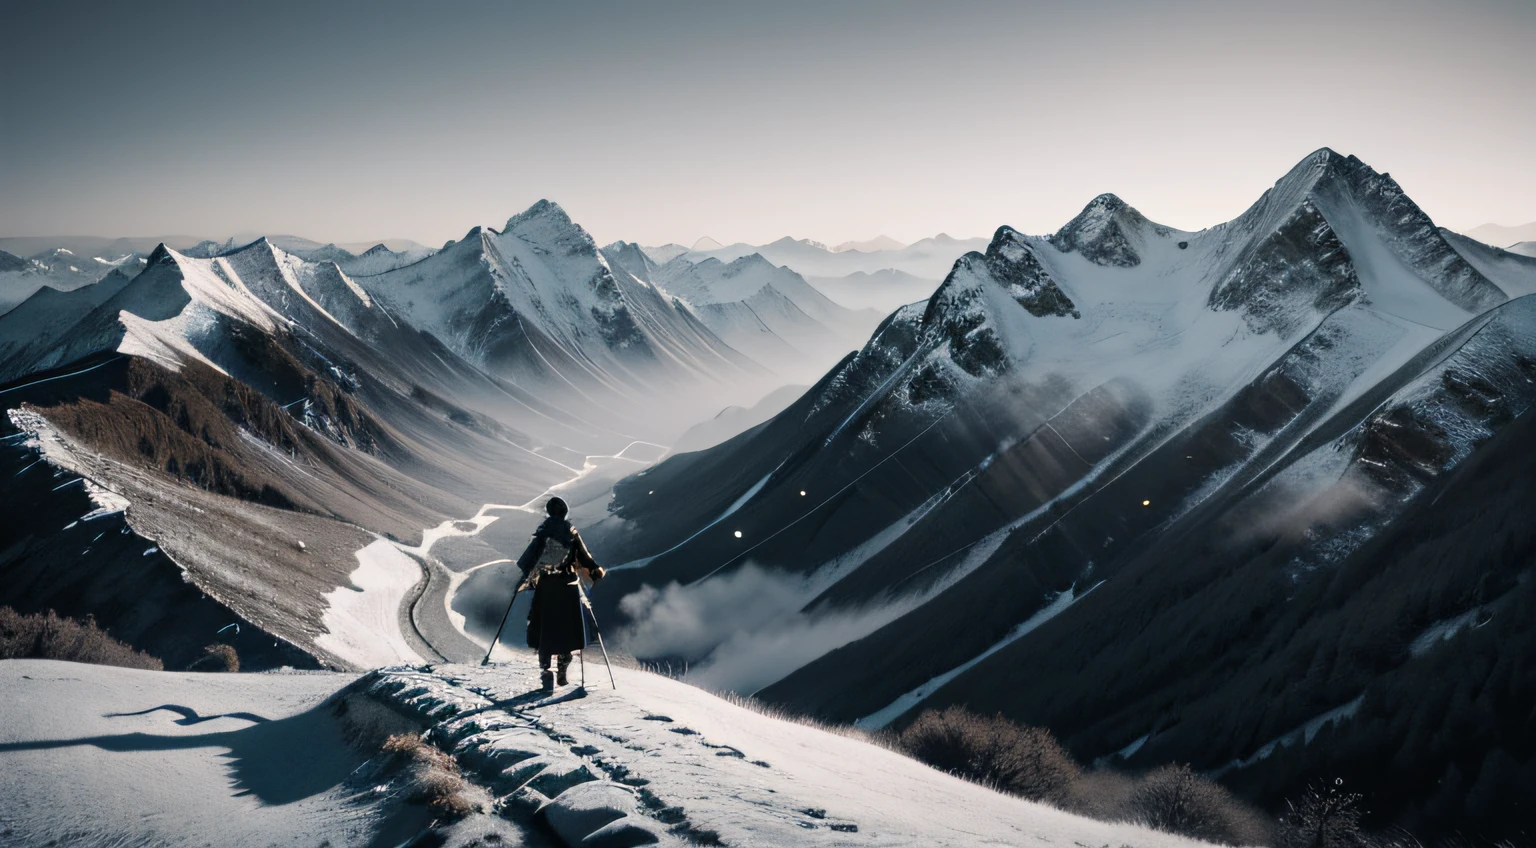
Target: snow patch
x,y
362,621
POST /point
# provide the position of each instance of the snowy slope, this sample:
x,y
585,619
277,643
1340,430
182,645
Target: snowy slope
x,y
114,756
1511,270
378,259
175,309
193,759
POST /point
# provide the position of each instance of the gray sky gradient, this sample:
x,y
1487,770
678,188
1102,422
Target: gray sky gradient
x,y
661,122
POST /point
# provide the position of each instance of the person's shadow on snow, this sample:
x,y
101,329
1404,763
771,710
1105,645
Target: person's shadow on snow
x,y
278,762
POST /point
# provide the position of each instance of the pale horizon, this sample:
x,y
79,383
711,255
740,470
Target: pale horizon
x,y
673,122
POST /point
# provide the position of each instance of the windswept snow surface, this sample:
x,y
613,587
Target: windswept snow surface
x,y
97,756
708,765
363,620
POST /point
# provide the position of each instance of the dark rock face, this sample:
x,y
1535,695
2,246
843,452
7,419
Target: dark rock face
x,y
1101,232
1409,229
957,314
1013,264
1300,269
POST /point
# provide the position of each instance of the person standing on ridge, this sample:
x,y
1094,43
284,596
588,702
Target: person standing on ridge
x,y
555,559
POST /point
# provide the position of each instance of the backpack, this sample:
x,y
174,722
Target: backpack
x,y
554,556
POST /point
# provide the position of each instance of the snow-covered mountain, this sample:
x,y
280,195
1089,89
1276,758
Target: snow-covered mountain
x,y
370,259
664,253
57,268
379,258
1086,439
769,313
36,325
538,304
1524,248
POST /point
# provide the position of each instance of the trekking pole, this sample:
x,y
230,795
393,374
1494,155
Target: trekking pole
x,y
582,654
506,615
585,602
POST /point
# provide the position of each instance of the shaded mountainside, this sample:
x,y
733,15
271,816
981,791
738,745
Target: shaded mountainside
x,y
1108,481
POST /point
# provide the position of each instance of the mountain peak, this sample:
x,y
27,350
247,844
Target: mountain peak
x,y
546,224
742,263
161,255
1102,233
706,243
543,209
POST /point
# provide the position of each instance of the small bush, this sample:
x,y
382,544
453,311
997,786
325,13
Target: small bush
x,y
1325,816
433,776
1175,799
1101,794
49,636
217,657
1023,761
367,723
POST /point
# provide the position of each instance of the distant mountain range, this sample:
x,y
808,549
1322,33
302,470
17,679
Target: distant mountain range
x,y
68,262
1502,236
767,312
929,258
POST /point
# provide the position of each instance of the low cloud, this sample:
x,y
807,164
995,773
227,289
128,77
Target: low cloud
x,y
1300,512
742,631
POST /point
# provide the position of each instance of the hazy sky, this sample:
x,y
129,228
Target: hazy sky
x,y
664,122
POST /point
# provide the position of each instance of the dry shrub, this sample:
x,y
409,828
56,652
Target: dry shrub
x,y
1325,816
48,636
217,657
1024,761
1177,800
1101,794
432,776
368,723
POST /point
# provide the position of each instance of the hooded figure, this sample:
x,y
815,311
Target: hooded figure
x,y
555,559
